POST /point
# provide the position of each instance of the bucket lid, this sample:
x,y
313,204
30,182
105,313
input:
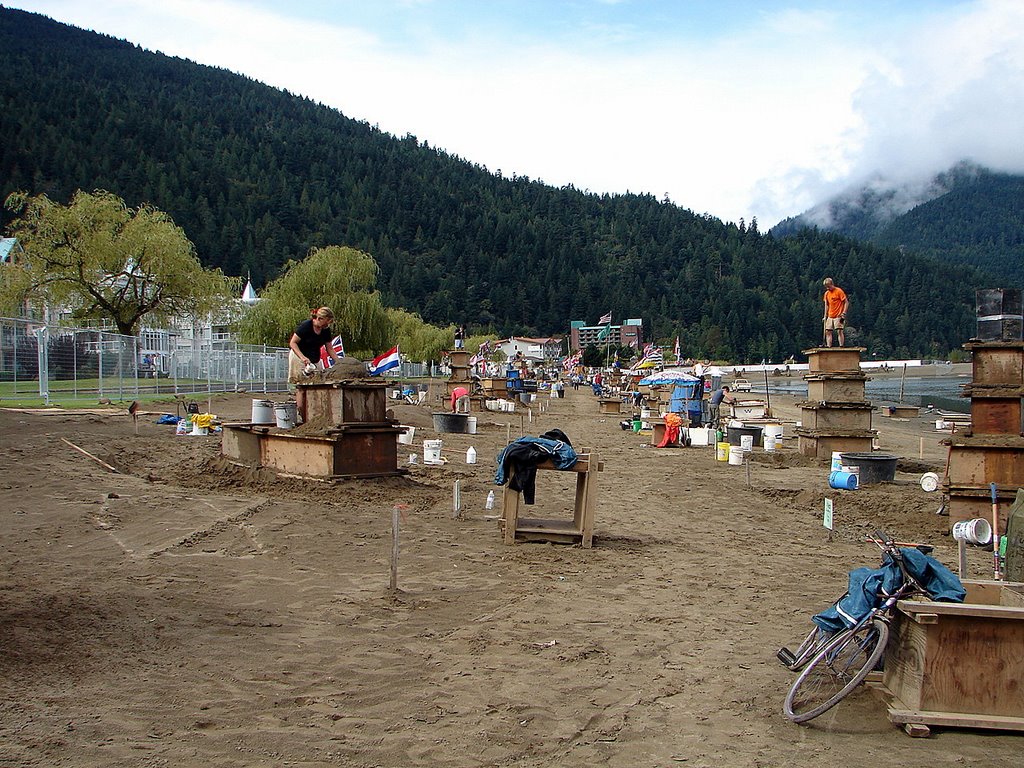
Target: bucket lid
x,y
930,482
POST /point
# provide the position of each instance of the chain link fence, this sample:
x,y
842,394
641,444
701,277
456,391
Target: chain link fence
x,y
56,363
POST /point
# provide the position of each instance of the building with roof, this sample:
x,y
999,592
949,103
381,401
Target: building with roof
x,y
537,351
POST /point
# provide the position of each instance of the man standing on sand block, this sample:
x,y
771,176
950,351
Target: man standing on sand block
x,y
836,306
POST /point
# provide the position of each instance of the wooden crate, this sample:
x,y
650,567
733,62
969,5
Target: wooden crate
x,y
997,413
845,389
346,402
826,359
982,459
959,664
835,416
821,445
997,363
971,502
610,406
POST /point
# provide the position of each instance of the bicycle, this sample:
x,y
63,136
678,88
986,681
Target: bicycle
x,y
832,665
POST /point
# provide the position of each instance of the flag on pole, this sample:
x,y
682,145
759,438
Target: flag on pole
x,y
339,350
384,362
677,350
605,319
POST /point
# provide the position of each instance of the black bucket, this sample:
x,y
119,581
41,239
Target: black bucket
x,y
736,434
457,423
874,467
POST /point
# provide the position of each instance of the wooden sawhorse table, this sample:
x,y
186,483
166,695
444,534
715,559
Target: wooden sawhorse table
x,y
580,528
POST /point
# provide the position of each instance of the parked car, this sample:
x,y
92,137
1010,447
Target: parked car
x,y
741,385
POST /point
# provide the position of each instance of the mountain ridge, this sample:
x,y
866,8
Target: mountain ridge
x,y
256,177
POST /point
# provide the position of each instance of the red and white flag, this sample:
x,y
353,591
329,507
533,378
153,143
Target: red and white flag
x,y
339,350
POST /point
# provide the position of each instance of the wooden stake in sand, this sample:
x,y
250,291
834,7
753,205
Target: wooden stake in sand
x,y
396,513
457,500
98,460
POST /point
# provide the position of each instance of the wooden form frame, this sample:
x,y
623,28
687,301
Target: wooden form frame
x,y
580,528
958,664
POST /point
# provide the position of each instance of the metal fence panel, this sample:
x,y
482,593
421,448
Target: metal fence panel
x,y
84,364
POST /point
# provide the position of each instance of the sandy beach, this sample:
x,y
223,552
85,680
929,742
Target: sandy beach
x,y
184,611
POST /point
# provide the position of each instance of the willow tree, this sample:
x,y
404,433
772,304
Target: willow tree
x,y
417,338
105,261
338,277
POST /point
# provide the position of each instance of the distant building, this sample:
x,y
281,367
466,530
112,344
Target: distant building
x,y
535,351
629,334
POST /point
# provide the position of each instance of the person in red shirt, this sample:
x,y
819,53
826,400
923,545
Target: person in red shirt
x,y
836,305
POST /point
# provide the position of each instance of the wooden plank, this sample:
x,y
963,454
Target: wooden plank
x,y
970,610
954,720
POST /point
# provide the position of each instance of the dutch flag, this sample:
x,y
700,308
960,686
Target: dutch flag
x,y
384,362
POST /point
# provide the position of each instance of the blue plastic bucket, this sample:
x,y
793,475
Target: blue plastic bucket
x,y
845,480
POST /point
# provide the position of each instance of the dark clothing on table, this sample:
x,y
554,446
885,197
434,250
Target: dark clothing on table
x,y
311,342
518,461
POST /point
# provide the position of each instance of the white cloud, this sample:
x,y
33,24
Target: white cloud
x,y
761,119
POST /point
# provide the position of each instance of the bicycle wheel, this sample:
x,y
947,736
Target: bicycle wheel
x,y
837,669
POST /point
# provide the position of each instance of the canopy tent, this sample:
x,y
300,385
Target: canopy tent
x,y
667,377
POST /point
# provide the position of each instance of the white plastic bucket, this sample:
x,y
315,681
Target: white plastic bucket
x,y
471,425
262,412
977,531
746,443
837,462
735,457
770,441
432,452
285,414
197,430
700,435
406,437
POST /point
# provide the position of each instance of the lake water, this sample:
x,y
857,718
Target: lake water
x,y
941,391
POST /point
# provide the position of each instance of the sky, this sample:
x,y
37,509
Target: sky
x,y
739,109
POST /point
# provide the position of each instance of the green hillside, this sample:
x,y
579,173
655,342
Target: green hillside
x,y
966,216
257,176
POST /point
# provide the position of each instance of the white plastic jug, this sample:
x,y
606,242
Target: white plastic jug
x,y
471,455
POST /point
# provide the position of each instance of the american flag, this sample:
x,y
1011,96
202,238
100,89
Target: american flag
x,y
481,354
677,350
605,319
572,361
339,350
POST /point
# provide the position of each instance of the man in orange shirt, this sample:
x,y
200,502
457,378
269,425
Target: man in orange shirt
x,y
836,305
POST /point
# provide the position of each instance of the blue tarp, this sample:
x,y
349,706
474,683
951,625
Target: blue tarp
x,y
866,584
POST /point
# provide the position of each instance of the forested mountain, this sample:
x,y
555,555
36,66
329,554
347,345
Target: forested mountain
x,y
257,176
967,215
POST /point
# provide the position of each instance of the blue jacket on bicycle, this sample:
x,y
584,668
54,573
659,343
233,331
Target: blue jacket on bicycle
x,y
869,586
